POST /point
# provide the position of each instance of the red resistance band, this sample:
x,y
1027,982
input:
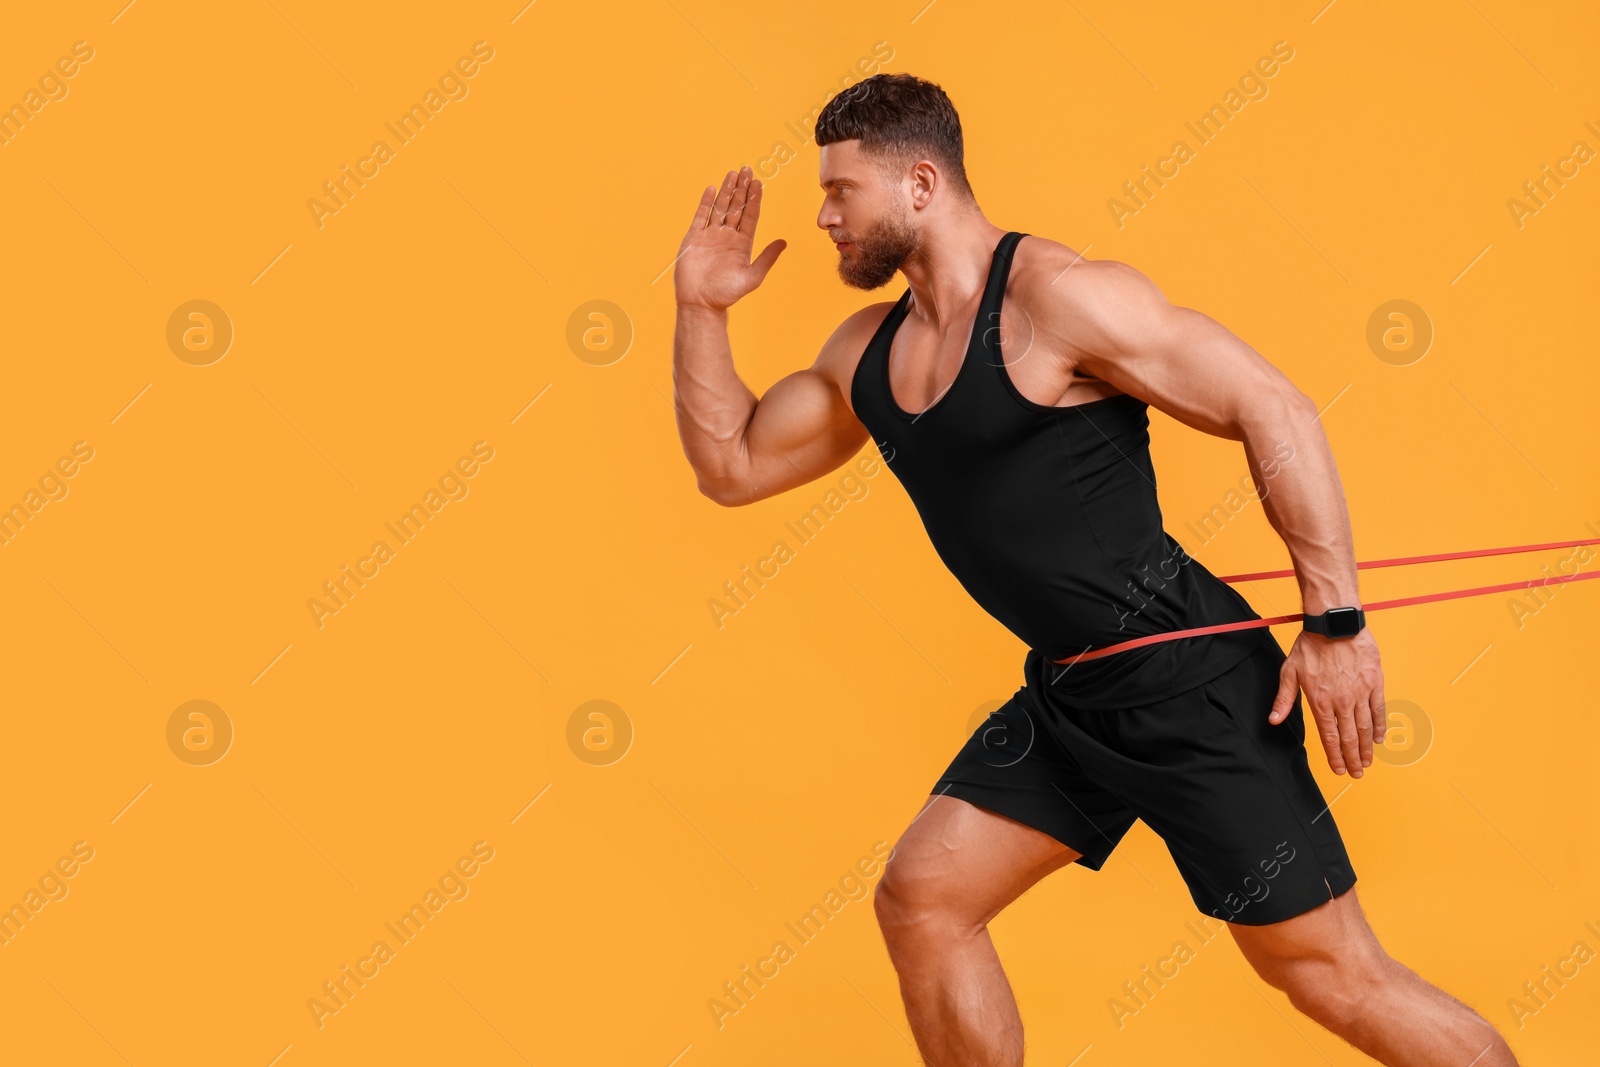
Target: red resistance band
x,y
1251,624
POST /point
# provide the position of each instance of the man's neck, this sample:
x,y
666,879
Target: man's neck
x,y
948,272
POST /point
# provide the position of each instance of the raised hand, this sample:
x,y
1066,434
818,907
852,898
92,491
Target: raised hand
x,y
713,266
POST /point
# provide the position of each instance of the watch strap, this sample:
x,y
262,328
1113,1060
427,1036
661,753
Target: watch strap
x,y
1340,623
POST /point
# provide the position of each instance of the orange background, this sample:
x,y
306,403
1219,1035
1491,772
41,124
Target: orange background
x,y
766,756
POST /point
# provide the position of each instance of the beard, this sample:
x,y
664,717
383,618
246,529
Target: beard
x,y
879,252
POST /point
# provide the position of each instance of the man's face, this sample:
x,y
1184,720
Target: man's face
x,y
866,216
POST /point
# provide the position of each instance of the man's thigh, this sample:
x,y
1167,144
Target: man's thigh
x,y
960,859
1331,934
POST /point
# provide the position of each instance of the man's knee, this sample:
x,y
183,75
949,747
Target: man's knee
x,y
1329,987
898,897
1325,990
912,893
1327,960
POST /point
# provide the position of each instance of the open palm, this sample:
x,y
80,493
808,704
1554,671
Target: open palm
x,y
713,267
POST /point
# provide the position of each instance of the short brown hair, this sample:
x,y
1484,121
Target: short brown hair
x,y
899,119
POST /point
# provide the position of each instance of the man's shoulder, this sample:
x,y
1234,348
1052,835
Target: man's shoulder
x,y
1048,275
842,351
867,319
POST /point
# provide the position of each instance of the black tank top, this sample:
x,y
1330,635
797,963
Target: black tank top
x,y
1048,517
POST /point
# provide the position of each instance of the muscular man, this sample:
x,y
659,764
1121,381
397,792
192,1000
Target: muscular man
x,y
1007,390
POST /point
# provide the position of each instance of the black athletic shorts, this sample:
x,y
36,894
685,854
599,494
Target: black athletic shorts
x,y
1231,794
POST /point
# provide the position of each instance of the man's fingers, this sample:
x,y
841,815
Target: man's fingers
x,y
702,214
768,256
1380,716
1363,717
1349,745
1288,689
719,210
752,210
741,196
1328,731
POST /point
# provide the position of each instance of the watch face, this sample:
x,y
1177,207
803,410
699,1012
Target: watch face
x,y
1343,622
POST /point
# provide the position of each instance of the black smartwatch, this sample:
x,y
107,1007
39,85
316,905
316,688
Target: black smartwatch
x,y
1336,622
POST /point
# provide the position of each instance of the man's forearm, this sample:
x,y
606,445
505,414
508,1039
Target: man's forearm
x,y
713,404
1304,501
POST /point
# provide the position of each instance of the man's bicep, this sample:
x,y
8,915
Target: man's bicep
x,y
801,430
802,427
